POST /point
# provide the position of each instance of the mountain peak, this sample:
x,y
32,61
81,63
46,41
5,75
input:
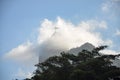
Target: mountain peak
x,y
87,43
85,46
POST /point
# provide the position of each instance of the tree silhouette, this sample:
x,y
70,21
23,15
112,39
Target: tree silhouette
x,y
87,65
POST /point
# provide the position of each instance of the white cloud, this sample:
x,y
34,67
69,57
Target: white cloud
x,y
109,52
117,33
51,42
67,35
109,42
111,6
106,6
24,53
68,30
22,74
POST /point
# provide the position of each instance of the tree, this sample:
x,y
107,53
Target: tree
x,y
87,65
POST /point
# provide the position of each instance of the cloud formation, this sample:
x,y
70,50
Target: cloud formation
x,y
22,74
117,33
25,53
57,36
111,6
109,52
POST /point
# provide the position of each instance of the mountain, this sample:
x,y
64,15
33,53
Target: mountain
x,y
89,47
86,46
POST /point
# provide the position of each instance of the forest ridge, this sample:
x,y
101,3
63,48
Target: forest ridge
x,y
86,65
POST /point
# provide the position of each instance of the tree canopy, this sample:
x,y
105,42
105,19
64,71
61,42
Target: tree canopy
x,y
86,65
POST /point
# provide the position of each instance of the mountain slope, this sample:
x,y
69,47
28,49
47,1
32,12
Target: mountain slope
x,y
89,47
86,46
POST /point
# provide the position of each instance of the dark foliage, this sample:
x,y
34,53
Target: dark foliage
x,y
87,65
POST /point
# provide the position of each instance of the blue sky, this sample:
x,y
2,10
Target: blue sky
x,y
20,19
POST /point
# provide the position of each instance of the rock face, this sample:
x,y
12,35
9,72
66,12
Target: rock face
x,y
86,46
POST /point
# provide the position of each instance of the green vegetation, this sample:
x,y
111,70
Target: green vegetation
x,y
87,65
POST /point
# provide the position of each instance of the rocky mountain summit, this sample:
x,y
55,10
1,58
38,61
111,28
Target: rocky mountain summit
x,y
86,46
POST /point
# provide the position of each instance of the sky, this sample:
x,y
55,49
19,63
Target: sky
x,y
42,28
